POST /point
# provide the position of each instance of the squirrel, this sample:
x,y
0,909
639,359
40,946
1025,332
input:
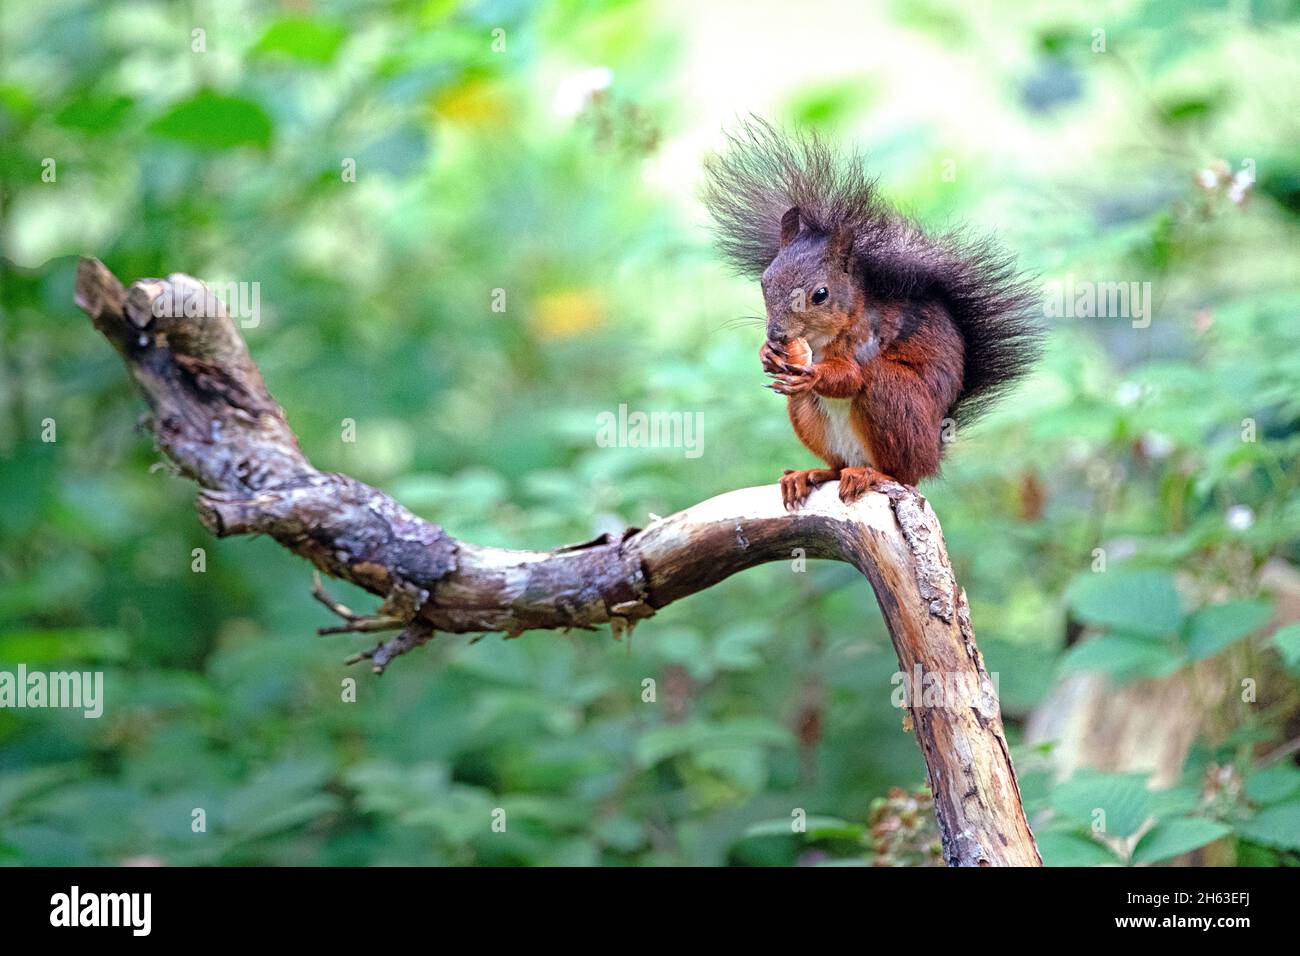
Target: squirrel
x,y
878,333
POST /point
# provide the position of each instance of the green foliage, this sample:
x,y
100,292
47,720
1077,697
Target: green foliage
x,y
1140,614
1214,628
1172,448
1277,826
1097,819
1177,836
210,120
315,41
1143,603
1287,641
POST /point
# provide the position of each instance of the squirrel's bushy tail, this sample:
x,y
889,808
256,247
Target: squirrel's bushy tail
x,y
765,172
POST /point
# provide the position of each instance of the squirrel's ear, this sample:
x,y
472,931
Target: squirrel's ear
x,y
840,248
789,226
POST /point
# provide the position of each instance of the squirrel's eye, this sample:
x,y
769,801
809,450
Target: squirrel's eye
x,y
820,295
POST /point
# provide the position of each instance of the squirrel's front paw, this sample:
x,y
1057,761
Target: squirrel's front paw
x,y
795,379
772,357
784,357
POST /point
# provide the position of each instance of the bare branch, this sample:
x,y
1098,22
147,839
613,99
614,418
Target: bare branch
x,y
213,416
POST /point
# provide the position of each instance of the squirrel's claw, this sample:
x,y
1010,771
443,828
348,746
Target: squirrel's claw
x,y
794,489
793,384
773,359
856,482
796,486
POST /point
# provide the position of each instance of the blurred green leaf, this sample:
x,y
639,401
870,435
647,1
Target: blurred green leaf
x,y
95,114
660,743
214,121
277,798
1170,838
26,486
1273,784
1116,803
815,828
1141,602
39,845
1276,826
1213,628
1121,656
72,646
1071,849
314,41
1287,641
18,785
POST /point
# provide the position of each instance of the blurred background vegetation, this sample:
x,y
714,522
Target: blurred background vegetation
x,y
1126,525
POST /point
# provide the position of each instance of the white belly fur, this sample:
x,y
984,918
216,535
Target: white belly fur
x,y
841,441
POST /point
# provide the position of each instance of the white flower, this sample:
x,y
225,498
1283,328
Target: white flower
x,y
1157,446
1207,179
1240,187
1240,517
1129,393
577,89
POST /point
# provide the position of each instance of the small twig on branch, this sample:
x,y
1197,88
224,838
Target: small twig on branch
x,y
320,594
416,633
214,417
353,623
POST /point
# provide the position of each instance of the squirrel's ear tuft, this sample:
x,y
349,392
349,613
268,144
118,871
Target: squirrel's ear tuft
x,y
789,226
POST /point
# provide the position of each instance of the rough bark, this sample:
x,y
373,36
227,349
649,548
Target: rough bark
x,y
214,417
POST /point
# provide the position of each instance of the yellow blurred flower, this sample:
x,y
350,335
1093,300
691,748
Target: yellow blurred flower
x,y
567,312
473,101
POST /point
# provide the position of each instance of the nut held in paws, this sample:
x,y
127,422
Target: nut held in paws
x,y
797,352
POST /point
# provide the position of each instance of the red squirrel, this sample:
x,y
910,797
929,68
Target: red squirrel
x,y
877,332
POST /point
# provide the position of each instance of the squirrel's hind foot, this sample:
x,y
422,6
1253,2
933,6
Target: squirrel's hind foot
x,y
796,486
856,482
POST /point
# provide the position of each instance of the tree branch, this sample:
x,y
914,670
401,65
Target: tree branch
x,y
214,417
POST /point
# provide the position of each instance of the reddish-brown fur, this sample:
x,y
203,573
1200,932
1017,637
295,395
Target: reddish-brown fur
x,y
908,391
900,398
